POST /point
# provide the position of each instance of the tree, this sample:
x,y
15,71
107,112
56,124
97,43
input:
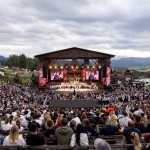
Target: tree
x,y
23,61
32,63
13,61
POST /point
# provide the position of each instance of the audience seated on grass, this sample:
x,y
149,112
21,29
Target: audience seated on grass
x,y
14,138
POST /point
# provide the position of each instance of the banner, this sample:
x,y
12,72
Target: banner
x,y
65,75
40,72
42,82
103,81
108,74
83,74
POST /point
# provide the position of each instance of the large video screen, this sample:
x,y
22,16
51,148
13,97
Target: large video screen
x,y
57,75
92,75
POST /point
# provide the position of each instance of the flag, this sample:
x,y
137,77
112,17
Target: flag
x,y
108,73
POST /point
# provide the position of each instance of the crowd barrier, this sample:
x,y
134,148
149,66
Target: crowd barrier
x,y
44,147
65,147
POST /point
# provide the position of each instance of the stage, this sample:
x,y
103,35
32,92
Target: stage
x,y
74,87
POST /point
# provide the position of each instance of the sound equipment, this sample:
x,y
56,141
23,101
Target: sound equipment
x,y
44,72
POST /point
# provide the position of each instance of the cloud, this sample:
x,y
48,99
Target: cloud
x,y
119,27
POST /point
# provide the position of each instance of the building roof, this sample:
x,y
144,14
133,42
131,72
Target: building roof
x,y
74,53
122,71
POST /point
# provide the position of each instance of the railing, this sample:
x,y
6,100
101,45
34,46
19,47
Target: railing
x,y
45,147
65,147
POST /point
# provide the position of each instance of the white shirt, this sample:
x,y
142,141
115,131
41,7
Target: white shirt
x,y
6,127
14,114
38,121
76,119
124,121
23,121
20,141
138,112
83,140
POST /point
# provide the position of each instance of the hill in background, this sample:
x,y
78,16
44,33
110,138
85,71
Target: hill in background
x,y
2,58
121,63
131,62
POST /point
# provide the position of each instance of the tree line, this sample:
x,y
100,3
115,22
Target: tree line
x,y
23,62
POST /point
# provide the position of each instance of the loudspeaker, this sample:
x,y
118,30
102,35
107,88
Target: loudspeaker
x,y
44,72
49,75
104,71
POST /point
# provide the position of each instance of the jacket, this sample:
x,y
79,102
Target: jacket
x,y
63,135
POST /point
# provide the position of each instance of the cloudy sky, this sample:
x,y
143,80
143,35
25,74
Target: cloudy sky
x,y
32,27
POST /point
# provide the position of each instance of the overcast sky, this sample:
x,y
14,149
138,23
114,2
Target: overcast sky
x,y
32,27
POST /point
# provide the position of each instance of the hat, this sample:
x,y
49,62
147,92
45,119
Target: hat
x,y
101,144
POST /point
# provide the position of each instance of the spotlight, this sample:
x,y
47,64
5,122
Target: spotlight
x,y
99,67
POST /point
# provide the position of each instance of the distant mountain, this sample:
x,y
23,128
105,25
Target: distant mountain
x,y
2,58
131,62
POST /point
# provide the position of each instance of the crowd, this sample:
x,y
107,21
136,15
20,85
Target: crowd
x,y
127,113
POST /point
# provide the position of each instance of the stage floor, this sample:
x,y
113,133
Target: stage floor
x,y
74,87
77,91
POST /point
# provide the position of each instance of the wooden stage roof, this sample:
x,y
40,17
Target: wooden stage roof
x,y
74,53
